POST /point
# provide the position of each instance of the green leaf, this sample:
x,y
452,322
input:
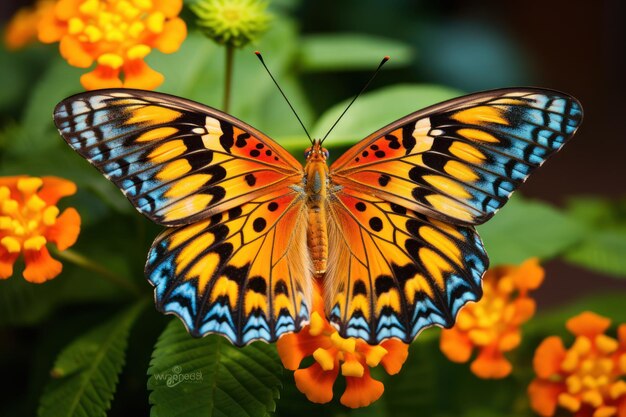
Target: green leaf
x,y
210,377
604,245
598,212
351,51
18,71
59,81
602,250
374,110
13,80
524,229
86,372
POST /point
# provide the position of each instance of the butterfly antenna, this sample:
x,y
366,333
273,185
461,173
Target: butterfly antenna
x,y
385,59
258,55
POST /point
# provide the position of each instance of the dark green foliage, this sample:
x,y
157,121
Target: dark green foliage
x,y
210,377
85,374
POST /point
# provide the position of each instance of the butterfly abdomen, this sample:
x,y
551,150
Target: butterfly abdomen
x,y
316,187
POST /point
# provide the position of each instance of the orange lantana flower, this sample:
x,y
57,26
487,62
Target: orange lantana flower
x,y
334,354
492,325
588,378
22,28
117,35
29,220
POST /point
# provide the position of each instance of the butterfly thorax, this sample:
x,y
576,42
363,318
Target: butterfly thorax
x,y
316,188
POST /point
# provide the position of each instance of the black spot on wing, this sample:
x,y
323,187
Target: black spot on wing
x,y
281,288
257,284
259,224
250,179
359,288
383,284
376,224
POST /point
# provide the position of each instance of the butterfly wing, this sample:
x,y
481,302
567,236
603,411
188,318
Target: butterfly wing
x,y
244,273
459,161
177,161
235,260
393,272
405,255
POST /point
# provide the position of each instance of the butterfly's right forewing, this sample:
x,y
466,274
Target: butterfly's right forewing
x,y
461,160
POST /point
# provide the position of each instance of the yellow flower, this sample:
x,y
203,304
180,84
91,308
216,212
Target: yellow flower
x,y
492,325
22,28
232,22
333,354
117,35
30,219
588,378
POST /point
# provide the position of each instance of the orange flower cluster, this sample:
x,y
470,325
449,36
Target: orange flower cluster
x,y
29,220
22,28
117,35
333,354
588,378
492,325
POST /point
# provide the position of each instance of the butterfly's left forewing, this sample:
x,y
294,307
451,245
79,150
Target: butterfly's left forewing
x,y
177,161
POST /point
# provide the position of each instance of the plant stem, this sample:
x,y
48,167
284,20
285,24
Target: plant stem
x,y
230,53
102,271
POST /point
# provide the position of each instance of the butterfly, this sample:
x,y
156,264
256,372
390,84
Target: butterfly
x,y
387,229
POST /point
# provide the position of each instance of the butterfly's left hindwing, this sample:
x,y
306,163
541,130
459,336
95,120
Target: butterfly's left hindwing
x,y
244,273
177,161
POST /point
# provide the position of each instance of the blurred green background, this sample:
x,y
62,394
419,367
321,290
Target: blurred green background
x,y
322,53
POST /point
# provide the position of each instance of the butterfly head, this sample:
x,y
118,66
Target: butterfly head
x,y
316,152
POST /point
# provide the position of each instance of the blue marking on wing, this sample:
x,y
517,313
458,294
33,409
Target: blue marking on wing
x,y
219,320
285,324
188,291
256,328
425,315
389,326
182,311
357,332
455,282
